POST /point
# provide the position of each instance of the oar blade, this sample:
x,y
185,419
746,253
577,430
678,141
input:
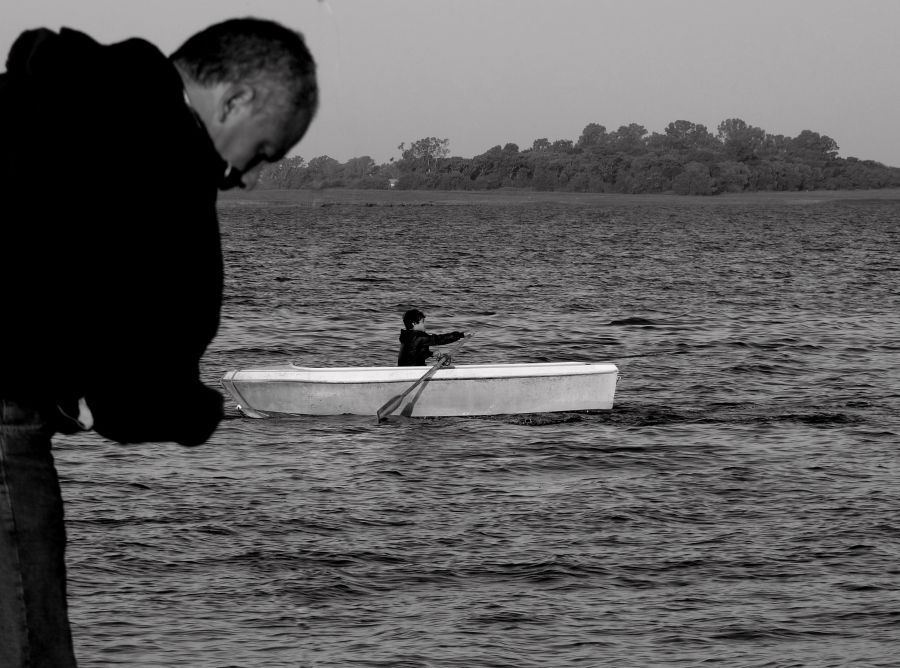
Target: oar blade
x,y
392,404
388,408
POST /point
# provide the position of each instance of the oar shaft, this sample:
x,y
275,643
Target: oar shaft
x,y
391,405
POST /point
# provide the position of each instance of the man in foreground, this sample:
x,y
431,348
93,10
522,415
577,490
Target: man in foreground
x,y
110,161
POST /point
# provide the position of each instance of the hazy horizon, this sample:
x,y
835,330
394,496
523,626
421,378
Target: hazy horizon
x,y
492,72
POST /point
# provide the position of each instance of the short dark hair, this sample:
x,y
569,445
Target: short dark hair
x,y
411,317
251,49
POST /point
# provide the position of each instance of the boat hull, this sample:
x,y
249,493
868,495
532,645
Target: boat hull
x,y
465,389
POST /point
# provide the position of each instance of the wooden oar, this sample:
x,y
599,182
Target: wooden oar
x,y
392,404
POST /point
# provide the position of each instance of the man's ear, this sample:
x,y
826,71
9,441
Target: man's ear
x,y
235,99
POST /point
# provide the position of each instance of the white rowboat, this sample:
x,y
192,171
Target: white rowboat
x,y
462,389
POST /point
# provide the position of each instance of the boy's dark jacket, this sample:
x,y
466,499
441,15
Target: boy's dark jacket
x,y
414,344
112,266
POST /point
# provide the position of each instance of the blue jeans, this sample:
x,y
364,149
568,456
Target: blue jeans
x,y
34,621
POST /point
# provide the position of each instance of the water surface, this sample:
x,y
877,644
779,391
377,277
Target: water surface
x,y
738,506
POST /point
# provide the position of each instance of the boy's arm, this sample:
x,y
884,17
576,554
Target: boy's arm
x,y
444,339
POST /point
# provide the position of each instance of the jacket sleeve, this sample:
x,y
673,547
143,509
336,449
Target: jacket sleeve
x,y
444,339
188,414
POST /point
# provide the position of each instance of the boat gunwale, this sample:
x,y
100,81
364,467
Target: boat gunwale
x,y
341,375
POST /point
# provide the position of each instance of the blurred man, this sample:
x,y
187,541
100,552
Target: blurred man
x,y
111,157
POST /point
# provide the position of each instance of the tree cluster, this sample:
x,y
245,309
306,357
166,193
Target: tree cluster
x,y
685,159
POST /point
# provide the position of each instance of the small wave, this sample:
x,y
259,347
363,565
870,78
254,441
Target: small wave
x,y
751,635
642,415
766,369
540,419
214,529
632,321
369,279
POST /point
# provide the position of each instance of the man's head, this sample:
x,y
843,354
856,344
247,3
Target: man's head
x,y
414,319
253,84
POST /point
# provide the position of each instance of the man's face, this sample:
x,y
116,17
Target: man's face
x,y
251,136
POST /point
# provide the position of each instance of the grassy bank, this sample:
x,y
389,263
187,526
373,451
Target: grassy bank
x,y
510,197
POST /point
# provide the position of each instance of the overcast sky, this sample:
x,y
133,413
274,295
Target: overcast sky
x,y
488,72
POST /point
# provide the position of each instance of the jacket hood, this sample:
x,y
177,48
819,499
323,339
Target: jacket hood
x,y
24,49
37,52
409,335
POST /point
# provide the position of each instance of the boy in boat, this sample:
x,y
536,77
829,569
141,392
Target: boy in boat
x,y
415,341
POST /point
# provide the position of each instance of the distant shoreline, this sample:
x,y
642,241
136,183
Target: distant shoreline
x,y
512,196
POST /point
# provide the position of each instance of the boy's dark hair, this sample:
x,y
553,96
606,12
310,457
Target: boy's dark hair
x,y
252,50
411,317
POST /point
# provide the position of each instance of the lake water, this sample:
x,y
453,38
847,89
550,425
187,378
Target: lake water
x,y
739,506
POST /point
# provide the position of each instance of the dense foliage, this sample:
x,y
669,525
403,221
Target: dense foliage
x,y
686,159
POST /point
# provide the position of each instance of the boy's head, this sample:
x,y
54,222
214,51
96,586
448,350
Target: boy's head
x,y
412,318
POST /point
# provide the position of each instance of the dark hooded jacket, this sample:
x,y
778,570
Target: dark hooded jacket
x,y
112,266
414,345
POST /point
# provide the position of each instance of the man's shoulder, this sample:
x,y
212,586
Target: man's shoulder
x,y
77,37
139,49
133,60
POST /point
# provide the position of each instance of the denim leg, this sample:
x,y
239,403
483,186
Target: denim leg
x,y
34,622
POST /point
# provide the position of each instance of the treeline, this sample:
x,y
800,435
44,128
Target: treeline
x,y
685,159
